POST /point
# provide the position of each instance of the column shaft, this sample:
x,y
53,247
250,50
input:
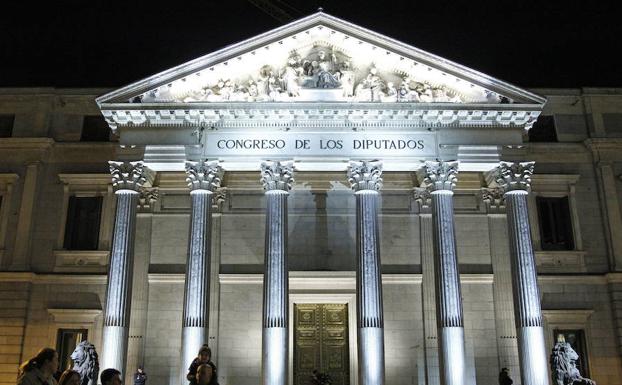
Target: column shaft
x,y
428,302
365,177
527,312
369,290
449,319
195,321
276,288
119,290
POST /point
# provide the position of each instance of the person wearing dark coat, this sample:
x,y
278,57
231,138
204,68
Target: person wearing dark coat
x,y
204,357
140,377
504,377
40,369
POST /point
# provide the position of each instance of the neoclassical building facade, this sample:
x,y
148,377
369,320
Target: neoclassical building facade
x,y
318,197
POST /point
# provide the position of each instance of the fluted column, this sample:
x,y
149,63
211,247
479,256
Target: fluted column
x,y
127,180
277,180
440,179
515,179
203,179
366,180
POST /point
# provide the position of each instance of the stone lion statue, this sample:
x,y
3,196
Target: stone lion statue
x,y
564,365
85,362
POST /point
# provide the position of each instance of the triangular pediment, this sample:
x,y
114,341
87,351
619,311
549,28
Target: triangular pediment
x,y
325,59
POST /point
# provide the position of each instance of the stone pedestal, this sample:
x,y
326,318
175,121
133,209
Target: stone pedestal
x,y
203,180
365,179
127,179
515,179
277,180
440,179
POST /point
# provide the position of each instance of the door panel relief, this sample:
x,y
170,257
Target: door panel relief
x,y
321,342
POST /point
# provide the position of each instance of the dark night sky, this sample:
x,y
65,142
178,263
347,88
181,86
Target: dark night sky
x,y
95,43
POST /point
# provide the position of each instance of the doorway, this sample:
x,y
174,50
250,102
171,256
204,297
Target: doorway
x,y
321,342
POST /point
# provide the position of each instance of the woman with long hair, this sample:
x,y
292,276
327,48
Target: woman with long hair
x,y
206,374
69,377
39,369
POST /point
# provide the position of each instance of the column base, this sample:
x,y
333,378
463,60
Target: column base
x,y
192,338
533,360
451,355
371,356
275,356
114,348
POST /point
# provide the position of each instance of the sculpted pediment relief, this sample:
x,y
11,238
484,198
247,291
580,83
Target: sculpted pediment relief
x,y
320,58
320,72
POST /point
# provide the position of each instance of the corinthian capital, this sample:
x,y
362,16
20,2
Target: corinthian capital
x,y
514,176
127,175
277,175
203,175
493,199
423,198
439,175
147,197
365,175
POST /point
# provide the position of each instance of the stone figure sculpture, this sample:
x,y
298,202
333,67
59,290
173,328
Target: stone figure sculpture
x,y
564,365
86,362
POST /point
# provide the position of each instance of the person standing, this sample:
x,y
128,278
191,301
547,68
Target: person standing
x,y
111,376
40,369
504,377
140,377
206,374
204,357
69,377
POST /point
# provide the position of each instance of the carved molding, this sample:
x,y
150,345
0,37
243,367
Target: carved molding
x,y
560,262
365,175
78,316
82,261
578,317
127,175
204,175
276,175
511,176
305,115
440,175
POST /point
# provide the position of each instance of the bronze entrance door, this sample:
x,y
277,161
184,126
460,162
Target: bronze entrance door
x,y
321,342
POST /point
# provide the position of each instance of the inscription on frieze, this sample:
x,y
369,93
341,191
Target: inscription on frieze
x,y
320,144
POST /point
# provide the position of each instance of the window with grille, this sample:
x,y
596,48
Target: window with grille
x,y
95,129
555,223
66,342
543,129
83,219
6,125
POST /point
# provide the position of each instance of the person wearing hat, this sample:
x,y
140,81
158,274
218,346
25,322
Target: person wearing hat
x,y
140,377
504,377
204,357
